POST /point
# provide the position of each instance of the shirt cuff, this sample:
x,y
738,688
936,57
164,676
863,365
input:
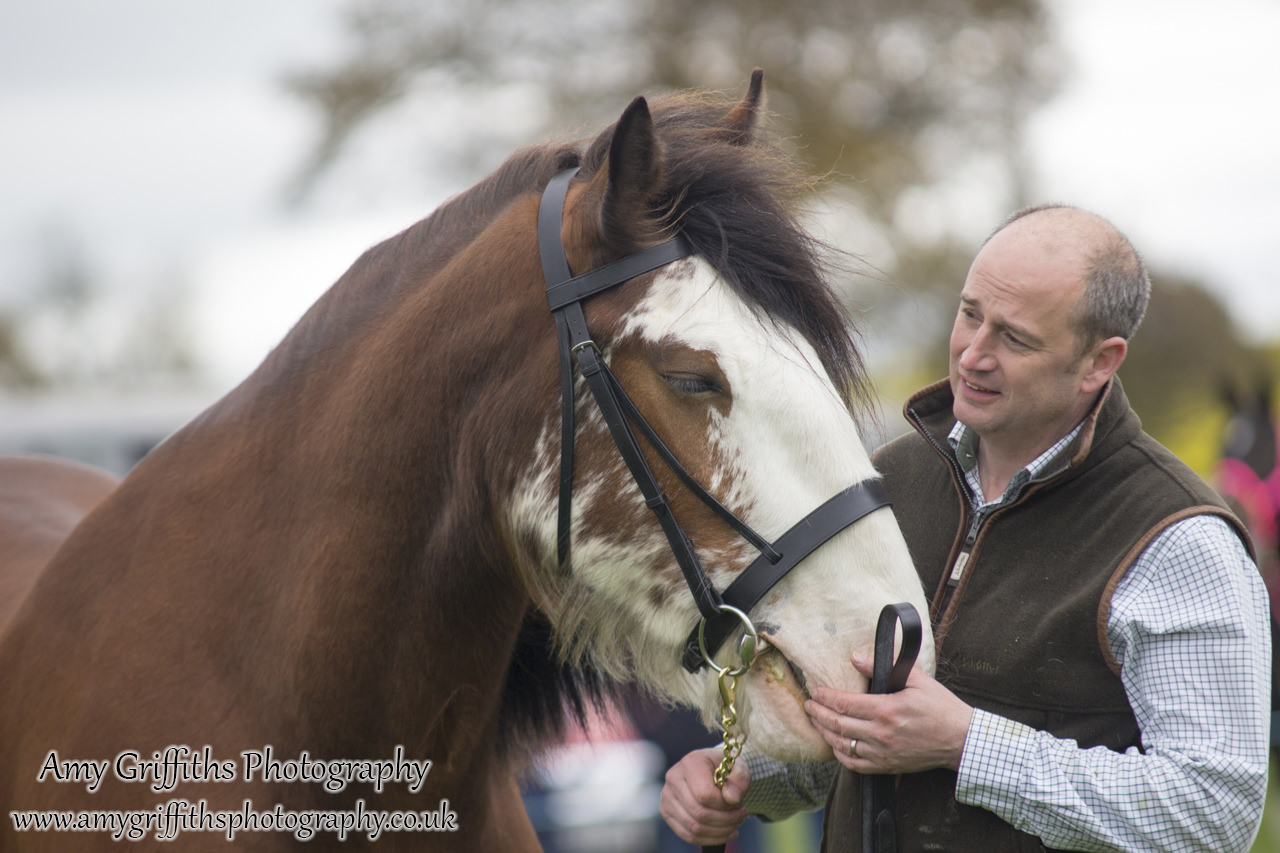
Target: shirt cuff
x,y
996,750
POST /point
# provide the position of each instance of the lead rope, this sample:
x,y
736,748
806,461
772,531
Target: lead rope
x,y
748,649
879,834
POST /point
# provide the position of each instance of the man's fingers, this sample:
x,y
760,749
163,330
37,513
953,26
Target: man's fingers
x,y
921,727
702,826
825,719
692,805
858,705
841,729
697,823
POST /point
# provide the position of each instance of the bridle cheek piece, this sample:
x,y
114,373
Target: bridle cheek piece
x,y
722,612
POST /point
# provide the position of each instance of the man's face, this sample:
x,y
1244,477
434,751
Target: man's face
x,y
1016,371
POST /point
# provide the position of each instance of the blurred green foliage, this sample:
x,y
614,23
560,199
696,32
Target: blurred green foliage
x,y
885,98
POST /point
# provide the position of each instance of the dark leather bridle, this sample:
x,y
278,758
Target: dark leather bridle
x,y
722,612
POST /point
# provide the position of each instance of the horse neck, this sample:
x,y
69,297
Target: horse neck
x,y
334,512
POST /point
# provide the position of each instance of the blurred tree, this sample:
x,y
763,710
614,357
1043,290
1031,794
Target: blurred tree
x,y
887,98
912,110
68,333
16,370
1185,349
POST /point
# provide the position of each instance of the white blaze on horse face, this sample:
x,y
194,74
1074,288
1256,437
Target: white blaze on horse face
x,y
793,444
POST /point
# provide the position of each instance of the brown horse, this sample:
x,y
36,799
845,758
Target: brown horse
x,y
41,500
350,562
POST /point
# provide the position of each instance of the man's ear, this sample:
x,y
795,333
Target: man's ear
x,y
1104,359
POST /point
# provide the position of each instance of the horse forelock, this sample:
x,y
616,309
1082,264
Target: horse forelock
x,y
738,206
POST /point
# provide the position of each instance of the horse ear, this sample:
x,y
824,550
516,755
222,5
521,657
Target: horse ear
x,y
635,171
740,124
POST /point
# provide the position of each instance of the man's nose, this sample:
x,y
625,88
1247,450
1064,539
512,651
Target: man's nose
x,y
978,353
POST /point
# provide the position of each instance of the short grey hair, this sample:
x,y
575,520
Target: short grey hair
x,y
1117,287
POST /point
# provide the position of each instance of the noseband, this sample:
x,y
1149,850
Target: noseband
x,y
722,613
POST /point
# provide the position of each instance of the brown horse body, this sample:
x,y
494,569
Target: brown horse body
x,y
326,563
235,643
41,500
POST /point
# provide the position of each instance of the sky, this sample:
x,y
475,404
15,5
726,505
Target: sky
x,y
157,136
1169,126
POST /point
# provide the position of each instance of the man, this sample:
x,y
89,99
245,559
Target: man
x,y
1102,634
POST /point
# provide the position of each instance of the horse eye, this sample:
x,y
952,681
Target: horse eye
x,y
685,383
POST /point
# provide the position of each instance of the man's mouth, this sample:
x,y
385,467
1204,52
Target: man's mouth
x,y
978,389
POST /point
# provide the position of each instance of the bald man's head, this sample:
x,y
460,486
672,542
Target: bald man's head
x,y
1116,286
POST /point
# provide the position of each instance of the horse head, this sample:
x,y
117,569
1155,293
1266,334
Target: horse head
x,y
740,359
357,551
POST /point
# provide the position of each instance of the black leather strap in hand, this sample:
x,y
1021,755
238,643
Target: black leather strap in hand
x,y
878,833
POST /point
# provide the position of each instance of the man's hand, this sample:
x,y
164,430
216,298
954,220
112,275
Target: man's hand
x,y
692,805
921,727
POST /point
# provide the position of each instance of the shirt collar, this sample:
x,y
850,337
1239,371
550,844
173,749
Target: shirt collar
x,y
964,443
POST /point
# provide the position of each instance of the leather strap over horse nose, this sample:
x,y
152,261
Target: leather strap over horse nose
x,y
805,537
565,293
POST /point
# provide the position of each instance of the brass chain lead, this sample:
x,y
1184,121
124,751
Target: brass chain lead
x,y
748,648
733,741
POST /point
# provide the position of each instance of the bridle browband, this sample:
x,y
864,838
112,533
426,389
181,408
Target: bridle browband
x,y
723,612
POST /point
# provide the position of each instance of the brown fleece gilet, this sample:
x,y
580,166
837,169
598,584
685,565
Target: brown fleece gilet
x,y
1023,632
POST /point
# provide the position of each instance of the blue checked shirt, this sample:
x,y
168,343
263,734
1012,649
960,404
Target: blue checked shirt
x,y
1189,627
